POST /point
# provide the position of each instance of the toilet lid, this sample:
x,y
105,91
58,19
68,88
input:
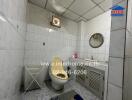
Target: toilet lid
x,y
57,69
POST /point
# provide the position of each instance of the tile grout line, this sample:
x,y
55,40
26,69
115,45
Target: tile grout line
x,y
123,77
98,4
115,85
120,28
69,6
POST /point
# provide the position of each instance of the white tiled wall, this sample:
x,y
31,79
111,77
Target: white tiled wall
x,y
115,71
114,93
117,43
12,37
58,41
100,24
119,22
128,79
128,56
116,56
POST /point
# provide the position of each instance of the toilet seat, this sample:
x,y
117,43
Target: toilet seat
x,y
57,69
58,75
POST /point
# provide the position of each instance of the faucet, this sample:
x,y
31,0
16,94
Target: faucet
x,y
92,58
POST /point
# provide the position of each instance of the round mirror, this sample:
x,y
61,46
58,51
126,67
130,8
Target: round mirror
x,y
96,40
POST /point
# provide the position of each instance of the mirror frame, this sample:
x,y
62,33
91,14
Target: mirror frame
x,y
100,43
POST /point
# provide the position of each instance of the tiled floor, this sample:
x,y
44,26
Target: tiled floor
x,y
46,94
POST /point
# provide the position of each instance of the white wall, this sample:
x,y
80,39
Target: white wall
x,y
128,57
100,24
116,55
12,37
59,42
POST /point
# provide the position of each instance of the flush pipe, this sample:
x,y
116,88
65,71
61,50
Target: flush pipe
x,y
57,7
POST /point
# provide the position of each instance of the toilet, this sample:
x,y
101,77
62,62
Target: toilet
x,y
57,74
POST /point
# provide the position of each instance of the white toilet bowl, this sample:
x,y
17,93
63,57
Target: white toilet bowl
x,y
57,74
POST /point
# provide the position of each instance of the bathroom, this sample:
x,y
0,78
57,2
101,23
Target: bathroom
x,y
65,49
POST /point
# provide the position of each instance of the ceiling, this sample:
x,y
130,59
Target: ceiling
x,y
77,10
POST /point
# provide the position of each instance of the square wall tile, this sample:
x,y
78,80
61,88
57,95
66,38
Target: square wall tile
x,y
128,52
116,71
114,93
117,40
